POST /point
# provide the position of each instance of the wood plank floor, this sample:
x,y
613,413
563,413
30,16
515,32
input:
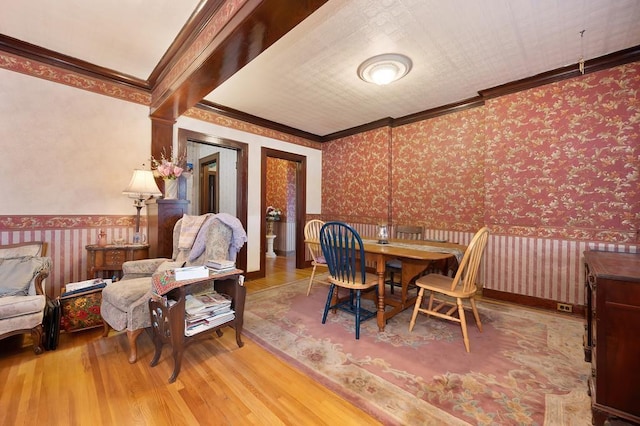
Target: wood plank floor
x,y
88,381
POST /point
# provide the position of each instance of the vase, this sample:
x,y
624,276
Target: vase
x,y
171,189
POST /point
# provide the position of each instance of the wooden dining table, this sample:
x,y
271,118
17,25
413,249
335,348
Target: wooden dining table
x,y
416,257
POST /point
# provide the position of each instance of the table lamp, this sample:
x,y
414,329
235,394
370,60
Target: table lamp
x,y
142,186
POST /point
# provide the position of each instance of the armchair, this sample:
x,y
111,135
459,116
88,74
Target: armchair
x,y
23,268
125,303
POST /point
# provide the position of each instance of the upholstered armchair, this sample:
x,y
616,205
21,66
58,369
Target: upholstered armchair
x,y
125,303
23,268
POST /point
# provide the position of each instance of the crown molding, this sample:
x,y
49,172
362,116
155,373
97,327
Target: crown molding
x,y
571,71
56,59
196,23
252,119
207,8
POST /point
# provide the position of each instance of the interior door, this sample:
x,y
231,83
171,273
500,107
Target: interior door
x,y
209,184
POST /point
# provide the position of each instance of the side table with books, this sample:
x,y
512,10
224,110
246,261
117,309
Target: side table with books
x,y
182,310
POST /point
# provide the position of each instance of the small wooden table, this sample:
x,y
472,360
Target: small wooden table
x,y
107,260
167,320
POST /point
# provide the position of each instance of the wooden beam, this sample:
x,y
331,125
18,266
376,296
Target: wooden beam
x,y
235,34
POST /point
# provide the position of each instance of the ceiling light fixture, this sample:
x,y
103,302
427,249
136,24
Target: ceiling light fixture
x,y
384,69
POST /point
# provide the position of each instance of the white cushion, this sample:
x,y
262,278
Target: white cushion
x,y
21,250
14,306
16,274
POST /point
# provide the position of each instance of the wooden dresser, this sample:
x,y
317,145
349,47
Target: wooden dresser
x,y
106,261
612,334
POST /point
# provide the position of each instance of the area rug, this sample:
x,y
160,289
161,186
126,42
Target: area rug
x,y
525,368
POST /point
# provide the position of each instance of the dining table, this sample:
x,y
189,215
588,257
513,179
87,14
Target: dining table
x,y
417,256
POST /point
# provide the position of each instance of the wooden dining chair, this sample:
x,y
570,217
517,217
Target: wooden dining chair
x,y
343,250
394,266
312,232
461,286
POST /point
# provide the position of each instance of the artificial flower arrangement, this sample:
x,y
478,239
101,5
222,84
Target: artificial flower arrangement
x,y
167,168
273,214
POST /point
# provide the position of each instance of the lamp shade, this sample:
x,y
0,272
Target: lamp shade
x,y
142,185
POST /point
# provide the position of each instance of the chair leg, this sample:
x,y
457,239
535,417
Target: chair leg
x,y
391,281
105,329
37,337
328,304
357,314
475,313
313,273
416,308
463,323
132,336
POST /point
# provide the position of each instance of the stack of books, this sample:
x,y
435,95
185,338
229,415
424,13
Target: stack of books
x,y
191,272
219,265
206,310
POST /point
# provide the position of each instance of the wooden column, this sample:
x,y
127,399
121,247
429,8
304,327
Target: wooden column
x,y
162,216
161,139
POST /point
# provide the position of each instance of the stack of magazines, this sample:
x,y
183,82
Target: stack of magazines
x,y
84,286
206,310
219,265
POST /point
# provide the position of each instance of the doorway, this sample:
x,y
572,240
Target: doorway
x,y
232,198
209,186
300,203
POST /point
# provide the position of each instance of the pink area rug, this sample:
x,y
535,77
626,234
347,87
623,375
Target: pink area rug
x,y
526,368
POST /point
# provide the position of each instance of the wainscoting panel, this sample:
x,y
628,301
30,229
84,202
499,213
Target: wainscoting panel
x,y
539,267
544,268
67,237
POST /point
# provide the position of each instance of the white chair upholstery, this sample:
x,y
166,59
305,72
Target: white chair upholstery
x,y
23,268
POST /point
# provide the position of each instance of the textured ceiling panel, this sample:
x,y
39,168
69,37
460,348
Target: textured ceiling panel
x,y
307,80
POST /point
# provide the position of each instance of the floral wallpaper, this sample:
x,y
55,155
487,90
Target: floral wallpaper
x,y
437,172
355,177
281,186
565,157
553,171
557,161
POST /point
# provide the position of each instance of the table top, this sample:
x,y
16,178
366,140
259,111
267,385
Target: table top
x,y
116,246
415,249
165,281
411,249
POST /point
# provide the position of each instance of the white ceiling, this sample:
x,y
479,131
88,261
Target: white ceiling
x,y
307,80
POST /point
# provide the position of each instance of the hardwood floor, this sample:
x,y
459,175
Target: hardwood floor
x,y
88,381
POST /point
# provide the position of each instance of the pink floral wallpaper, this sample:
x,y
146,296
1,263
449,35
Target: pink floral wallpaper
x,y
281,186
356,177
437,172
558,161
564,159
553,171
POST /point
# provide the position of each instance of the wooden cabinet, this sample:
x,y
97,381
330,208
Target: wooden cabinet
x,y
106,261
162,216
612,335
